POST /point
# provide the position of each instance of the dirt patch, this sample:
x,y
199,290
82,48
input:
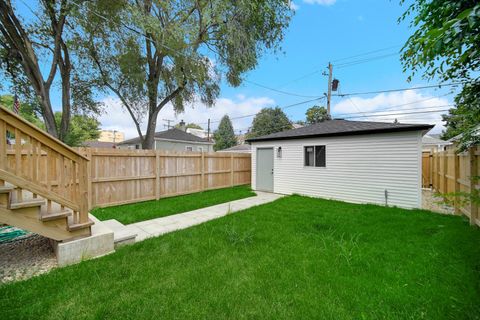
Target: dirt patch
x,y
435,203
24,258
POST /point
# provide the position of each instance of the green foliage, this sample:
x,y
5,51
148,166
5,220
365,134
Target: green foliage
x,y
269,120
28,111
131,213
446,42
295,258
316,114
465,118
82,128
224,136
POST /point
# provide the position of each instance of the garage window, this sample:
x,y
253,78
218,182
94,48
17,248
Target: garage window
x,y
314,156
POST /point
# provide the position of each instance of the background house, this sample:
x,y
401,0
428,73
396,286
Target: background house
x,y
362,162
172,139
433,144
241,148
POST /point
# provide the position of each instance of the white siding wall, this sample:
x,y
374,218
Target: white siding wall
x,y
358,168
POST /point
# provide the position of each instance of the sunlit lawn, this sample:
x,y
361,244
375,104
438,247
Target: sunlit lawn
x,y
295,258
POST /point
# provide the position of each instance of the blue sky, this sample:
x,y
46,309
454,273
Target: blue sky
x,y
320,31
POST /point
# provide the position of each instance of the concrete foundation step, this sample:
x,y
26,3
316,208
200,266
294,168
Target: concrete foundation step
x,y
122,235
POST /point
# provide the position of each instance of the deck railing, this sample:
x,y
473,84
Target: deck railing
x,y
32,160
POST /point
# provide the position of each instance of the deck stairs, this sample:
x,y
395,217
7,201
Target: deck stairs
x,y
43,182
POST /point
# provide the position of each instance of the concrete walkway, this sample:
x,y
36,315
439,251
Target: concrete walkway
x,y
159,226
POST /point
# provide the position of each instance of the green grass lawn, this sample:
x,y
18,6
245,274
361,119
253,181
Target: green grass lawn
x,y
147,210
295,258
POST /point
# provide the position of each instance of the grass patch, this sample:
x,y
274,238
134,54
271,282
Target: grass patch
x,y
141,211
295,258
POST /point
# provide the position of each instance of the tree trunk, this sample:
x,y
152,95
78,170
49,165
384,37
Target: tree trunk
x,y
149,137
65,72
47,113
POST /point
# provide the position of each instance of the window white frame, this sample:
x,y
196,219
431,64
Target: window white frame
x,y
188,148
316,148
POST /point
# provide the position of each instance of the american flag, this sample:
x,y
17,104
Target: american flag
x,y
16,104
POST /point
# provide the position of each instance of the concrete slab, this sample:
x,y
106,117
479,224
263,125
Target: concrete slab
x,y
160,226
121,234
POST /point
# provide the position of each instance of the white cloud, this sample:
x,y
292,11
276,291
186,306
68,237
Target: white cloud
x,y
405,102
117,118
321,2
294,6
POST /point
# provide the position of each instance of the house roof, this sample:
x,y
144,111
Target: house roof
x,y
99,144
171,134
429,140
341,128
238,148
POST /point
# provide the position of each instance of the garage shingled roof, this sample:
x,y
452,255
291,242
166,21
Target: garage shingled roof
x,y
341,128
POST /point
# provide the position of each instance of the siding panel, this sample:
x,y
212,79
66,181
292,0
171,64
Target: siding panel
x,y
359,168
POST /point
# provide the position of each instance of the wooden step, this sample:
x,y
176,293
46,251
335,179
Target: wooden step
x,y
6,189
77,226
55,215
26,204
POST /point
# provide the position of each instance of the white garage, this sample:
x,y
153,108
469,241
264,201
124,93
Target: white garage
x,y
353,161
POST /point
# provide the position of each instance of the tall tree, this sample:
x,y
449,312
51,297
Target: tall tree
x,y
152,53
446,44
316,114
27,47
224,136
269,120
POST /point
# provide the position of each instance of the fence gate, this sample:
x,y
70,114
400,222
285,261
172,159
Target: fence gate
x,y
426,169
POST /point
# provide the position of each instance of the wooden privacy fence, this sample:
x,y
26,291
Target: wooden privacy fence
x,y
124,176
455,174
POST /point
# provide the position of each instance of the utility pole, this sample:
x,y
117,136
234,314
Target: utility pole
x,y
329,95
168,123
208,130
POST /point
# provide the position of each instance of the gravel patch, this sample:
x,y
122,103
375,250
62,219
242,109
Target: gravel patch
x,y
24,258
434,203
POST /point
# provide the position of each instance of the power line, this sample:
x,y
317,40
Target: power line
x,y
367,53
283,108
353,63
397,90
398,114
382,112
401,105
280,91
353,103
318,69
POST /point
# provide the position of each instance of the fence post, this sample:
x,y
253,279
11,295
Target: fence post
x,y
445,169
202,171
438,170
83,182
88,153
456,176
473,190
231,169
157,175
